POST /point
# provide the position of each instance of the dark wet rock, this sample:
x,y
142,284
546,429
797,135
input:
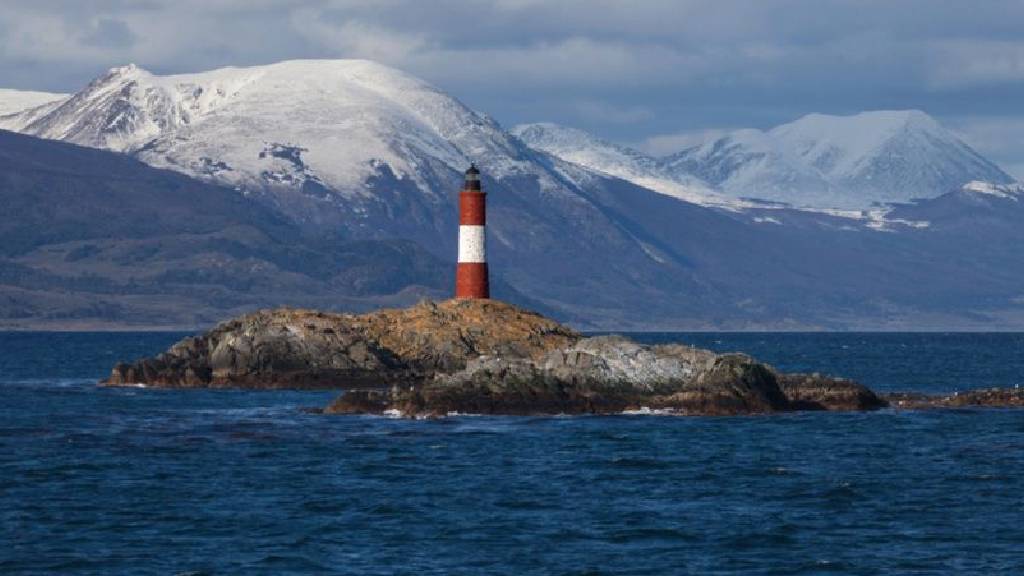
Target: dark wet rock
x,y
817,392
601,375
988,397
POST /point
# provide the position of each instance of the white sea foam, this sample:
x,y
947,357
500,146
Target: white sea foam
x,y
646,411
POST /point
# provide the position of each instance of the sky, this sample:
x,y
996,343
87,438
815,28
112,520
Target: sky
x,y
658,75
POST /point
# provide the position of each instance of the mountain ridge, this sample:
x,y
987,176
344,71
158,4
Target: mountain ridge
x,y
362,168
816,162
847,162
579,147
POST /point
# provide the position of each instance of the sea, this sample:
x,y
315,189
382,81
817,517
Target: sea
x,y
140,481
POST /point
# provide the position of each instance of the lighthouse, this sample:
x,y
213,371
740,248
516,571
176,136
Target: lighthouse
x,y
471,275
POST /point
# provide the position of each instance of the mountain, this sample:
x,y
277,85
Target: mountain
x,y
981,214
94,239
585,149
352,150
750,164
308,134
849,162
347,175
817,162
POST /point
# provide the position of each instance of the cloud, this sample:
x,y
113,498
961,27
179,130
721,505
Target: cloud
x,y
358,39
597,111
657,72
961,63
665,144
109,33
995,137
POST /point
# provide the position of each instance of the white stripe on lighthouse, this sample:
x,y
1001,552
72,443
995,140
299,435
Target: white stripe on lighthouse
x,y
471,244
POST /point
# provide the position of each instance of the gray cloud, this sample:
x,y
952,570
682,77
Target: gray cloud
x,y
109,33
997,137
642,72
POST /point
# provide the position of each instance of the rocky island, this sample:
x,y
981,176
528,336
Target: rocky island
x,y
488,357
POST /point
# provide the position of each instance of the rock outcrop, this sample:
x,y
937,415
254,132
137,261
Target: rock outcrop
x,y
609,374
288,348
987,398
479,356
817,392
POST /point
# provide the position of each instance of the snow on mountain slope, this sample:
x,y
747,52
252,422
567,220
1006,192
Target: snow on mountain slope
x,y
12,101
886,155
329,124
327,128
19,107
748,164
849,162
1010,191
580,147
846,163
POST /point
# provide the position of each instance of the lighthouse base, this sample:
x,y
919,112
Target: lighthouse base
x,y
471,280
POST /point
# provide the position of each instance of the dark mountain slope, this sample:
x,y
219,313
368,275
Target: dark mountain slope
x,y
92,237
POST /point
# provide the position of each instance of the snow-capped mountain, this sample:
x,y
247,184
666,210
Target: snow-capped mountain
x,y
817,162
353,150
580,147
851,162
306,133
749,164
332,124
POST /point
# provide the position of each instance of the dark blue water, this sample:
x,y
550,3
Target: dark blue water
x,y
137,481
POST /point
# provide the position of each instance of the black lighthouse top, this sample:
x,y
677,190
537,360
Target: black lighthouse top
x,y
472,178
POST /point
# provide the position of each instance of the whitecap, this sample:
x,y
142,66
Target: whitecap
x,y
648,411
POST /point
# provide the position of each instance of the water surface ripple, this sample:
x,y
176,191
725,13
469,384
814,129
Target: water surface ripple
x,y
139,481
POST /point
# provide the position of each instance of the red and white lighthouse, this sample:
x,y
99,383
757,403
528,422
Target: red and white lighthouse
x,y
471,276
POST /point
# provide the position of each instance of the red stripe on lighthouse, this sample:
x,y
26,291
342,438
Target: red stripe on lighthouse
x,y
472,208
471,280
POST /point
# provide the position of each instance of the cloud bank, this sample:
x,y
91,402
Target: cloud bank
x,y
652,72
